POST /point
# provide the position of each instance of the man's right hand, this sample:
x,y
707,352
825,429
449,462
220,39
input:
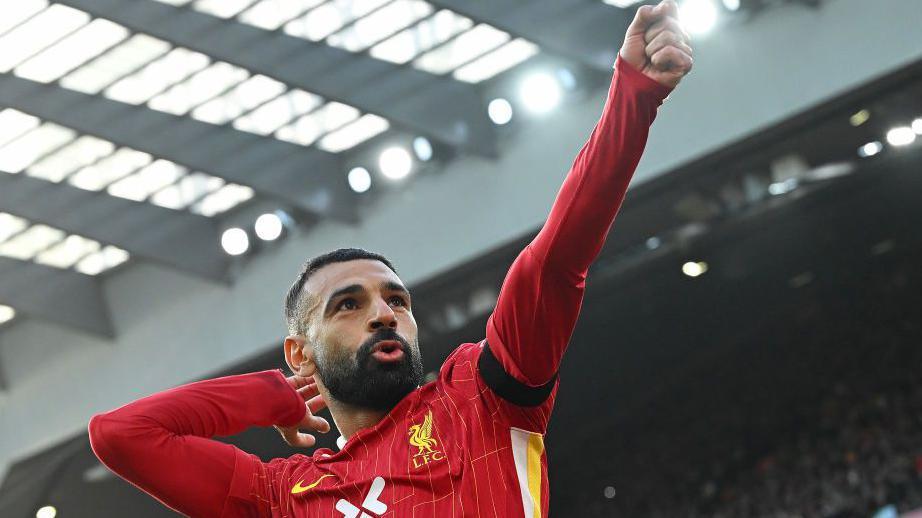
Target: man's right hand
x,y
306,387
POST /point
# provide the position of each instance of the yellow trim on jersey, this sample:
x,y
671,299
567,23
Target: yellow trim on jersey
x,y
527,448
535,448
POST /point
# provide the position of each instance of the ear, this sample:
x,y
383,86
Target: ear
x,y
299,355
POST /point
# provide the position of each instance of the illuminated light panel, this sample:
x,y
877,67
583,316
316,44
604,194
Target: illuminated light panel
x,y
247,95
6,314
223,199
859,117
14,13
410,43
870,149
27,244
380,24
277,112
157,76
105,259
14,123
622,3
174,2
98,176
38,32
354,133
66,253
497,61
148,180
272,14
695,269
117,62
186,191
80,153
462,49
325,19
222,8
901,136
309,127
72,51
22,152
10,225
202,86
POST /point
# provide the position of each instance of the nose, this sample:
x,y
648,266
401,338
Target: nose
x,y
382,315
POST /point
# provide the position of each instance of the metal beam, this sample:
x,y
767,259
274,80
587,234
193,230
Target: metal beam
x,y
439,107
307,178
588,31
177,239
61,296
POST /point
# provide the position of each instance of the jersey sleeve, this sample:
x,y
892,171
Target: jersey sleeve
x,y
163,443
540,299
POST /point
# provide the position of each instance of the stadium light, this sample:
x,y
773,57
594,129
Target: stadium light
x,y
540,92
6,314
917,126
359,179
395,163
235,241
46,512
694,269
268,227
423,148
698,16
500,111
870,149
901,136
859,117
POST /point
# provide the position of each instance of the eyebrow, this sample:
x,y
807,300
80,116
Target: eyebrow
x,y
358,288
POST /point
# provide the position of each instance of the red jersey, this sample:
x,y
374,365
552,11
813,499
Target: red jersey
x,y
470,443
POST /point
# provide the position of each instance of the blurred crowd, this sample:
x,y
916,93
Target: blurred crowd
x,y
824,422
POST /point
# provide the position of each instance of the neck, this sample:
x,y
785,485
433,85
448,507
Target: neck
x,y
351,419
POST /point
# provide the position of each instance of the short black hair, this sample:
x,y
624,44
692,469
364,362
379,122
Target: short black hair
x,y
294,301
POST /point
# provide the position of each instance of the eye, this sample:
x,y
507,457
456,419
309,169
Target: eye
x,y
348,304
398,300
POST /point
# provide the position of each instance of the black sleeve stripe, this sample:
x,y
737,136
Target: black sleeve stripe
x,y
507,387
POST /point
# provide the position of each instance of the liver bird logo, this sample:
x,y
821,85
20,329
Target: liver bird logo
x,y
421,435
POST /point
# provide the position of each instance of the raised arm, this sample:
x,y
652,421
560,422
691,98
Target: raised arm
x,y
543,291
162,443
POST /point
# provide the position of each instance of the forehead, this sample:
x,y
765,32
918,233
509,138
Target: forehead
x,y
365,272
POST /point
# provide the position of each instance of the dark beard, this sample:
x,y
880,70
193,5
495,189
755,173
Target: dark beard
x,y
365,382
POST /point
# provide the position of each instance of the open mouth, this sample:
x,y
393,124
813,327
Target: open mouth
x,y
387,351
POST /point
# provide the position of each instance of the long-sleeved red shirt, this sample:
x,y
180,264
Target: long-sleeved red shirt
x,y
468,444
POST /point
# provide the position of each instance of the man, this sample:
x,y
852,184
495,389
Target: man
x,y
468,444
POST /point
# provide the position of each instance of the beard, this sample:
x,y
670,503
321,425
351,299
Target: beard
x,y
363,381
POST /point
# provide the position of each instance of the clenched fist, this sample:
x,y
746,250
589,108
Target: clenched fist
x,y
657,45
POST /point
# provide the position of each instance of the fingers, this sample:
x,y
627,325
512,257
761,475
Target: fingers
x,y
667,43
298,439
667,24
672,59
316,404
315,423
646,15
297,381
667,39
308,391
